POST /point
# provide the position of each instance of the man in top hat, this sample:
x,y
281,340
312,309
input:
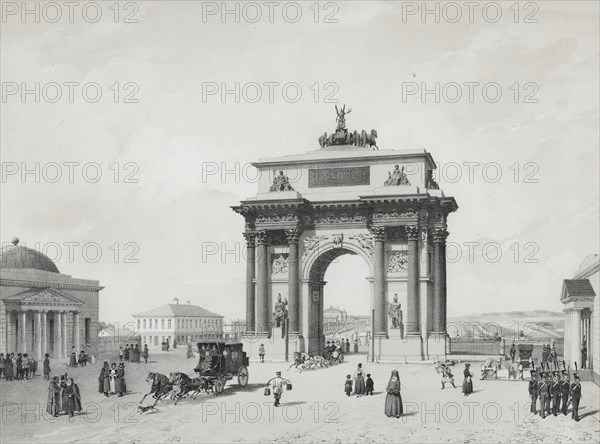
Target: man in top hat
x,y
575,396
564,392
544,394
277,383
533,390
555,392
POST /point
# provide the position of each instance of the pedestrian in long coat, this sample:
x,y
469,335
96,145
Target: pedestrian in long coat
x,y
127,352
360,387
2,364
70,397
9,371
393,399
145,353
53,405
19,366
78,407
467,387
47,366
120,386
136,354
103,372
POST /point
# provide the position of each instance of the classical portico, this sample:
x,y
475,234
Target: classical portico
x,y
42,310
381,205
43,321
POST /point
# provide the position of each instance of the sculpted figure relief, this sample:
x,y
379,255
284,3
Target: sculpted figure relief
x,y
280,183
397,177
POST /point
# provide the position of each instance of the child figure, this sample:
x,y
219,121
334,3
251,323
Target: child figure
x,y
369,384
348,385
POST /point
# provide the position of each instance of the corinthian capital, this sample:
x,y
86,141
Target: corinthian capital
x,y
262,237
440,235
250,238
292,235
378,232
412,232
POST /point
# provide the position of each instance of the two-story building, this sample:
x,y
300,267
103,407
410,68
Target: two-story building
x,y
179,322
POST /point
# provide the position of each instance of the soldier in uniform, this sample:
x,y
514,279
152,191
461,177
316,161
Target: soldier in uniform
x,y
513,352
544,394
533,390
555,392
575,397
564,392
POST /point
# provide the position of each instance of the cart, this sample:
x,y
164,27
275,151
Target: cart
x,y
220,362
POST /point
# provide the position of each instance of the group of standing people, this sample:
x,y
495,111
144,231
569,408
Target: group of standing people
x,y
21,367
63,397
76,359
362,386
549,355
133,353
112,379
555,393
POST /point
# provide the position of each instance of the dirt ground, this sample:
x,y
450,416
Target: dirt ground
x,y
316,410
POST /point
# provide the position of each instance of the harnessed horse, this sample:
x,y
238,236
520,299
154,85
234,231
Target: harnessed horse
x,y
161,386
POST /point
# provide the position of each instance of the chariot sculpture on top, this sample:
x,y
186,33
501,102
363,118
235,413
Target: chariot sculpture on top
x,y
342,136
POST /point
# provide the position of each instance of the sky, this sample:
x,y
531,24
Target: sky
x,y
158,159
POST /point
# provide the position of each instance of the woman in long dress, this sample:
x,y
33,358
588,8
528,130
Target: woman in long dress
x,y
73,361
9,371
393,399
359,381
467,387
120,387
113,377
53,406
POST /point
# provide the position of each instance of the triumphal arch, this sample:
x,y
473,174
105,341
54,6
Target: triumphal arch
x,y
348,197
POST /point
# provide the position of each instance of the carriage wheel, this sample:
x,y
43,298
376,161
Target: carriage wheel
x,y
219,386
243,376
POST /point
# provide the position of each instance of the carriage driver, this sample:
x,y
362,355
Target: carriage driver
x,y
278,384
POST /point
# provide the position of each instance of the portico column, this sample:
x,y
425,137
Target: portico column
x,y
63,339
262,282
58,352
576,336
44,343
23,331
380,327
37,335
76,331
293,236
439,276
413,316
250,288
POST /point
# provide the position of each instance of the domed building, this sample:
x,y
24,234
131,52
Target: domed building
x,y
41,309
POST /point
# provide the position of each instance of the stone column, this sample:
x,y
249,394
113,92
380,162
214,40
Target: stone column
x,y
23,332
44,334
576,336
439,280
262,283
379,305
293,236
37,335
58,352
11,334
76,337
413,317
63,338
250,288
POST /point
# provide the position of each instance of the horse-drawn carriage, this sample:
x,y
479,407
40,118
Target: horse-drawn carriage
x,y
220,362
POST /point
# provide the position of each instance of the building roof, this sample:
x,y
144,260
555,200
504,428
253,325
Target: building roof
x,y
18,256
178,310
577,288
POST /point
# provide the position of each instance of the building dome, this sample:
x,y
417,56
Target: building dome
x,y
17,256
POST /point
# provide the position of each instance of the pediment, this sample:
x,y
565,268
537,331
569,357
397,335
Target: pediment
x,y
43,296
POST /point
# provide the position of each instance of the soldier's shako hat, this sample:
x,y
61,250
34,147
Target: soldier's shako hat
x,y
533,372
278,373
576,376
564,372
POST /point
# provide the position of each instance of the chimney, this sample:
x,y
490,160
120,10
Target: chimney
x,y
187,302
176,300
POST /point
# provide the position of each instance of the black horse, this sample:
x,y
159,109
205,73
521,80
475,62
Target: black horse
x,y
183,386
161,386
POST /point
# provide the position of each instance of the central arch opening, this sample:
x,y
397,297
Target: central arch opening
x,y
341,300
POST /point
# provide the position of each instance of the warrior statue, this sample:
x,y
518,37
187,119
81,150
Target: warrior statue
x,y
393,311
279,311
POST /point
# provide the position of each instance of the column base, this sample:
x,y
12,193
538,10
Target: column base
x,y
437,345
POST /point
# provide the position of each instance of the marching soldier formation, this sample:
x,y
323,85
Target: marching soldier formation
x,y
555,393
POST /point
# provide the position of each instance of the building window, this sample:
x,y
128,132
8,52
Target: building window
x,y
139,322
150,324
144,324
162,324
156,324
169,324
156,340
